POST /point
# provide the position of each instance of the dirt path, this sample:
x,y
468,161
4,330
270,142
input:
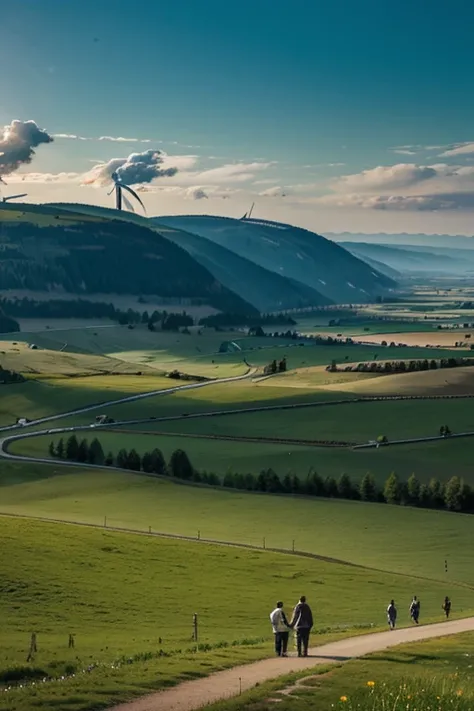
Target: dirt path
x,y
196,694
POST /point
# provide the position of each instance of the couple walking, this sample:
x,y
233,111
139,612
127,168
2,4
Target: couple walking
x,y
301,621
392,612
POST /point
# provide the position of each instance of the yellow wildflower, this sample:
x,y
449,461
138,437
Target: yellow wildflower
x,y
459,692
371,683
343,699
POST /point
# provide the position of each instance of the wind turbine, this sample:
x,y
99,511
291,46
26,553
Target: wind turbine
x,y
119,186
7,198
249,213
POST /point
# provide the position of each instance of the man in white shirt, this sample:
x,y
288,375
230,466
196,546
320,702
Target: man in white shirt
x,y
280,630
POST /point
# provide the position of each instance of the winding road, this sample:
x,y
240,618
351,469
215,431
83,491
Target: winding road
x,y
198,693
20,433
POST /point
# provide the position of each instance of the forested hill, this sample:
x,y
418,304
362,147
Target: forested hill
x,y
40,250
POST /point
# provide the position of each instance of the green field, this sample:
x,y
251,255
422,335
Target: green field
x,y
373,535
119,592
356,422
40,398
198,354
430,459
423,676
151,588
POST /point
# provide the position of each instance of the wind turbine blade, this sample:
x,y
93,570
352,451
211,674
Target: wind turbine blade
x,y
132,192
128,204
15,197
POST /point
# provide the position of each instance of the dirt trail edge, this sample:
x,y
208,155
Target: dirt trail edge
x,y
192,695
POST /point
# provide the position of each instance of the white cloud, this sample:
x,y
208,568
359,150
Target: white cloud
x,y
70,136
404,151
45,178
277,191
122,139
385,177
403,187
458,149
230,172
419,203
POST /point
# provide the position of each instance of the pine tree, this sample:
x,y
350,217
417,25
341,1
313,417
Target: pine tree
x,y
60,449
109,460
228,480
424,497
273,482
52,449
295,484
413,490
391,492
453,494
344,487
180,466
147,463
158,464
72,448
330,487
133,461
122,459
250,482
96,453
367,488
83,451
436,490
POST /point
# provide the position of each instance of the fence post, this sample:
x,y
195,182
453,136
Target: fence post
x,y
199,535
33,647
293,546
149,529
71,641
105,521
195,627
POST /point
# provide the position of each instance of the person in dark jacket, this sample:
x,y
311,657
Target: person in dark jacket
x,y
302,622
392,615
447,606
415,609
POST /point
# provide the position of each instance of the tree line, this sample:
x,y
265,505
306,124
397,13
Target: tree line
x,y
402,366
8,377
82,308
453,495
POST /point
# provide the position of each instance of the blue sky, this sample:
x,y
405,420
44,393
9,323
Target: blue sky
x,y
305,92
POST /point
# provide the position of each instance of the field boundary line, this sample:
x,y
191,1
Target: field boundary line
x,y
229,544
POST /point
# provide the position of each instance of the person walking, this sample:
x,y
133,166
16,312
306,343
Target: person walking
x,y
302,622
392,615
447,606
415,609
281,630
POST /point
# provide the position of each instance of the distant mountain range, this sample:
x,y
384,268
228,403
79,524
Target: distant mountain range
x,y
404,239
296,254
416,259
240,266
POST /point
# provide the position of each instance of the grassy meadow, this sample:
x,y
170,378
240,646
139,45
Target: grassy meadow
x,y
372,535
121,593
423,676
50,586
